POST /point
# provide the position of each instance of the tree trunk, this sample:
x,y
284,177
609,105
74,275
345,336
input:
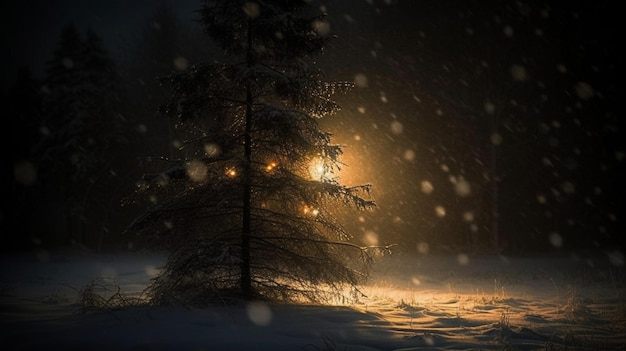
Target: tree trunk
x,y
246,279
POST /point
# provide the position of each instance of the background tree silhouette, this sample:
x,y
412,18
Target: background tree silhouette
x,y
83,134
250,209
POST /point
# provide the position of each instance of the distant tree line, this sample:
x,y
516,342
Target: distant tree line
x,y
81,132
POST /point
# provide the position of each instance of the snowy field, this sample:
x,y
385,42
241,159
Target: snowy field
x,y
428,302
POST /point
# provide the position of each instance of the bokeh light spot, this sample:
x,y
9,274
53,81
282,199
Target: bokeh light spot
x,y
212,149
396,127
462,187
259,313
556,239
518,73
197,171
468,216
181,63
440,211
360,80
322,28
25,173
423,247
427,187
251,9
584,90
409,155
496,138
371,238
462,259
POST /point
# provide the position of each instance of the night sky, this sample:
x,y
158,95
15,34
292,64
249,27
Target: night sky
x,y
469,117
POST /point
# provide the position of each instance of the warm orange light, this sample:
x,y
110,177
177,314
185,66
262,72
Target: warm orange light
x,y
317,170
231,172
271,166
310,211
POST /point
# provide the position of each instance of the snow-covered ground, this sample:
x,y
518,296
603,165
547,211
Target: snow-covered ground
x,y
427,302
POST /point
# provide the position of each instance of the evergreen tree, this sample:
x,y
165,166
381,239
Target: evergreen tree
x,y
250,209
84,132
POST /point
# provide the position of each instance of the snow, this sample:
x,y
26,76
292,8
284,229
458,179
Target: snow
x,y
434,302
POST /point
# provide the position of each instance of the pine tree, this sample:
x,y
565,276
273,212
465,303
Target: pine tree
x,y
249,210
83,133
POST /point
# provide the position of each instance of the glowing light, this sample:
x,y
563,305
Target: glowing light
x,y
318,171
310,211
231,172
270,167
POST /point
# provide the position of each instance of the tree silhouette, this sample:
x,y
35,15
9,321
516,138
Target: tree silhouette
x,y
250,210
82,135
